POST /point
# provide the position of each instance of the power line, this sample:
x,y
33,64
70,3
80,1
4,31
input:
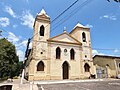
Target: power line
x,y
57,16
60,15
9,33
110,49
20,41
72,13
65,10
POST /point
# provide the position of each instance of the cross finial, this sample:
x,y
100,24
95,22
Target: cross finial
x,y
64,30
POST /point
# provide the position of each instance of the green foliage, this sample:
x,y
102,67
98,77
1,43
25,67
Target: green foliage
x,y
8,59
15,77
19,68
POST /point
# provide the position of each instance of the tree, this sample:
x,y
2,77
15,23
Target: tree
x,y
8,59
19,68
114,0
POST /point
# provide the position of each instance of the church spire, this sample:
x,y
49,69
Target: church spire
x,y
42,12
79,25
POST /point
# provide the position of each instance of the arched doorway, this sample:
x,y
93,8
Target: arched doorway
x,y
65,70
40,66
87,67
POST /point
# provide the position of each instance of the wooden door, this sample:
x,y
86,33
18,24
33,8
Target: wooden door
x,y
65,70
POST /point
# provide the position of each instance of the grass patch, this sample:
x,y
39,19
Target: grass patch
x,y
15,77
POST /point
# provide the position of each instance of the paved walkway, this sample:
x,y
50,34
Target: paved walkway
x,y
93,85
33,84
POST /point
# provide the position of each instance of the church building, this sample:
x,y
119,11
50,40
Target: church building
x,y
65,56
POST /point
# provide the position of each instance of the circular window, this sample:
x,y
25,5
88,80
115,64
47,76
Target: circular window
x,y
85,56
65,50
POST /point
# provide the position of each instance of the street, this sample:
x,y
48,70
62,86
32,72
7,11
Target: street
x,y
99,85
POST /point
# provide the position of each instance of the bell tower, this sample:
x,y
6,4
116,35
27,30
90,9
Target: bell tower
x,y
42,26
39,43
41,34
82,34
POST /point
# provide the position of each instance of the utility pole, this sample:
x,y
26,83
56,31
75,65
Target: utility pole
x,y
26,55
28,43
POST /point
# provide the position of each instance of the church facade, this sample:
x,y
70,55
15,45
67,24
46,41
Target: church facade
x,y
65,56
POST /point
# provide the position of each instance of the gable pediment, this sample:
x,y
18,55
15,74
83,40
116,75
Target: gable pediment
x,y
64,37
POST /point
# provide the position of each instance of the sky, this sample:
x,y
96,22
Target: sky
x,y
17,19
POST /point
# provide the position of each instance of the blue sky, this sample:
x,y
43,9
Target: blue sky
x,y
17,18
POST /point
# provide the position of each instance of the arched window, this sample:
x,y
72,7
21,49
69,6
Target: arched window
x,y
58,53
84,37
42,30
86,67
40,66
119,65
72,54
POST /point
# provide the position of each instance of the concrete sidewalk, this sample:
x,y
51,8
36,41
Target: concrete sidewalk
x,y
33,84
24,87
16,85
69,81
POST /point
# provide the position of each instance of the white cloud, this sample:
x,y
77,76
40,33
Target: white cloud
x,y
89,26
24,43
4,21
20,53
116,51
13,38
111,17
95,52
9,10
27,1
27,19
14,26
20,46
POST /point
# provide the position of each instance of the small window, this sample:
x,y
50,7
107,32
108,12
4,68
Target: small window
x,y
84,37
42,30
72,54
58,53
40,66
87,67
65,50
41,52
